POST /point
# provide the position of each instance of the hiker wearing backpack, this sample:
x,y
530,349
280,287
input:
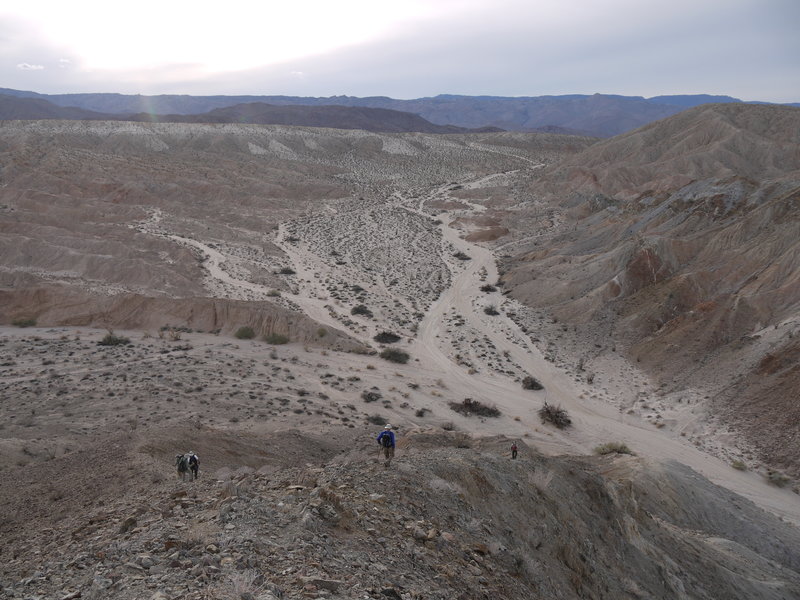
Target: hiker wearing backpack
x,y
187,463
386,441
514,450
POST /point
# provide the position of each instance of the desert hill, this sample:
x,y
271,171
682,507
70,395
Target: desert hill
x,y
680,243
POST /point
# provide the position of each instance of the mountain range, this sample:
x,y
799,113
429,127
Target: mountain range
x,y
599,115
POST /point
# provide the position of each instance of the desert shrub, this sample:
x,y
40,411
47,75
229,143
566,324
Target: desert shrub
x,y
276,339
491,310
449,426
386,337
555,415
322,332
273,293
394,355
114,340
376,419
24,322
739,465
421,412
488,288
531,383
777,478
462,256
245,333
474,407
286,271
613,448
370,396
360,309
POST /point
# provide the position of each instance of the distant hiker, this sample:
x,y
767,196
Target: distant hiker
x,y
514,450
386,441
187,463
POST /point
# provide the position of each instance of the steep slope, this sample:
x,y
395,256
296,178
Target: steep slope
x,y
681,242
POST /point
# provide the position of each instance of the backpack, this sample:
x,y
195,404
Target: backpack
x,y
386,440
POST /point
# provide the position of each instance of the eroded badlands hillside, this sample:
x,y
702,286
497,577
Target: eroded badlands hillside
x,y
119,224
680,247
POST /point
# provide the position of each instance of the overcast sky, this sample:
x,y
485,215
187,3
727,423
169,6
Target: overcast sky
x,y
749,49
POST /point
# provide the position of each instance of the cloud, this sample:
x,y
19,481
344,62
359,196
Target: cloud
x,y
30,67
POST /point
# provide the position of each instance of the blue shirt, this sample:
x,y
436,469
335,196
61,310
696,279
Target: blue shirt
x,y
388,433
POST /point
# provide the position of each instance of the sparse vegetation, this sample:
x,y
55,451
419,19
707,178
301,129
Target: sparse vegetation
x,y
488,288
286,271
449,426
555,415
276,339
322,332
394,355
376,419
462,256
114,340
470,407
491,310
360,309
245,333
386,337
370,396
531,383
739,465
421,412
24,322
273,293
777,478
613,448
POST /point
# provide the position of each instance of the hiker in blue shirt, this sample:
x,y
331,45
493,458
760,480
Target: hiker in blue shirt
x,y
386,441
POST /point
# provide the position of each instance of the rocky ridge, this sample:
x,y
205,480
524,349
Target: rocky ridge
x,y
441,522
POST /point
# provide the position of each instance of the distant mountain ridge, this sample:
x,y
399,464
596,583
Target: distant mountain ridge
x,y
600,115
335,117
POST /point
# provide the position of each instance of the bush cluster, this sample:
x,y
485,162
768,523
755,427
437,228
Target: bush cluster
x,y
474,407
370,396
24,322
531,383
386,337
276,339
394,355
613,448
555,415
376,419
114,340
360,309
245,333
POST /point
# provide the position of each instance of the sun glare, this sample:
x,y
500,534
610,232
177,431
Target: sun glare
x,y
217,36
